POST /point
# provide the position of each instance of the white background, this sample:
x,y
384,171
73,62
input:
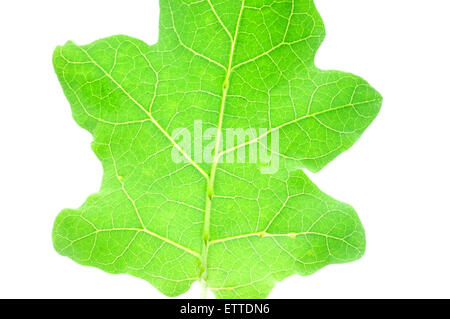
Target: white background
x,y
397,176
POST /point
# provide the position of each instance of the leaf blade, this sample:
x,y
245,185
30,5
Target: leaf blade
x,y
174,223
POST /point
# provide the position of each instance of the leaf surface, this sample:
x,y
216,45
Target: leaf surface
x,y
231,64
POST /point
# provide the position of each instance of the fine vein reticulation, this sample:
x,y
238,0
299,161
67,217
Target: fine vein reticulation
x,y
231,64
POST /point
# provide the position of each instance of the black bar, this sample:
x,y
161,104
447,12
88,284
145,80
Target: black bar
x,y
264,309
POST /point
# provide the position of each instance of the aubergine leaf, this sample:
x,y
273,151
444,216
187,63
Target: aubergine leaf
x,y
230,64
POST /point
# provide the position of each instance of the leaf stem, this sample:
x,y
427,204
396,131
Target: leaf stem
x,y
217,155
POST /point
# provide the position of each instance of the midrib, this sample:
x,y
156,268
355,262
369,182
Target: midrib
x,y
210,181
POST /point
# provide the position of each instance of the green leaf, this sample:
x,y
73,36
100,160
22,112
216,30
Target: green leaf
x,y
231,64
